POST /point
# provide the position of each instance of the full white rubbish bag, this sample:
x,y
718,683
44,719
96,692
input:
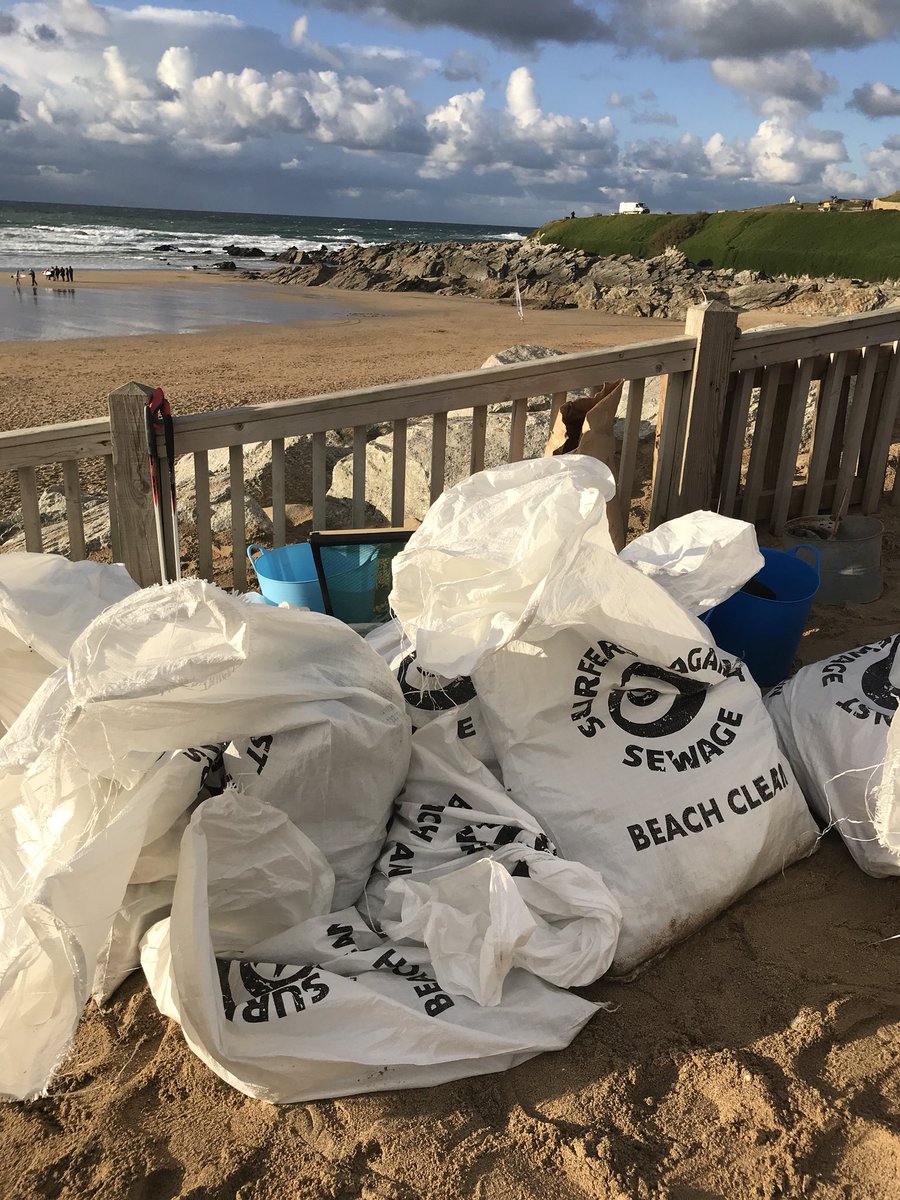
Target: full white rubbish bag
x,y
473,876
700,559
45,602
835,720
288,1001
91,773
643,750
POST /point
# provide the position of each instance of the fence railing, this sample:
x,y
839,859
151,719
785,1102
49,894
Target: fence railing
x,y
763,425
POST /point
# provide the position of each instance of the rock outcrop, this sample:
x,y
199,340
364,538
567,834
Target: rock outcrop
x,y
553,277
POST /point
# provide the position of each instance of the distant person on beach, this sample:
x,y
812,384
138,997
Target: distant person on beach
x,y
17,278
33,278
71,274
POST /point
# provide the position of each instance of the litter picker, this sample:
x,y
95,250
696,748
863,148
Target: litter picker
x,y
158,417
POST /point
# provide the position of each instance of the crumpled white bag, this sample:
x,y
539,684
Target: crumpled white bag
x,y
289,1002
700,559
91,772
643,750
473,876
45,602
835,720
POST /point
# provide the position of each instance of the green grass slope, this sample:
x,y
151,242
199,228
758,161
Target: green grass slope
x,y
781,240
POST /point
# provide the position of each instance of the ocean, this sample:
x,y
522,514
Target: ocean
x,y
89,236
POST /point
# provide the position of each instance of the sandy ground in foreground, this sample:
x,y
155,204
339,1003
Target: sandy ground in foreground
x,y
761,1058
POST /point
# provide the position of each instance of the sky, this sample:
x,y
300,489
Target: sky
x,y
506,112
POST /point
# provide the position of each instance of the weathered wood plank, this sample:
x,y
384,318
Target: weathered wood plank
x,y
479,433
398,473
715,329
134,504
114,540
279,519
203,516
74,510
770,346
238,530
856,419
48,444
823,432
793,431
756,469
673,392
736,416
873,489
358,504
517,425
438,455
630,438
31,515
319,480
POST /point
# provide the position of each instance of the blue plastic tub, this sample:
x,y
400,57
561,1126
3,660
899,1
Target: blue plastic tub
x,y
288,575
765,633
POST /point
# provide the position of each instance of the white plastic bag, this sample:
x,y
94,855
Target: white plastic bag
x,y
835,720
45,602
700,559
289,1002
474,877
644,751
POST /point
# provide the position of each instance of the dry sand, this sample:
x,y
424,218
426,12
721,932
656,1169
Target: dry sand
x,y
761,1058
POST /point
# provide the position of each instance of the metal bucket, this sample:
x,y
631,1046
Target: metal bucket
x,y
849,563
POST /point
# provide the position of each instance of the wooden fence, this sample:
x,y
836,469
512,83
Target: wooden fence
x,y
762,425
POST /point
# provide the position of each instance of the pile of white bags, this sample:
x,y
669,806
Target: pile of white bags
x,y
641,749
835,722
91,775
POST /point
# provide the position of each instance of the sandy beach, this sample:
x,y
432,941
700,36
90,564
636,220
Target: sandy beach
x,y
761,1058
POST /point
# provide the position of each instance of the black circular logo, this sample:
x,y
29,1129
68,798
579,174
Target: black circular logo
x,y
425,693
642,709
261,978
876,681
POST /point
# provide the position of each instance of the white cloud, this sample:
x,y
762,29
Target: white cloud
x,y
787,85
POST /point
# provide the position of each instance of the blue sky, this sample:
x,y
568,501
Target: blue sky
x,y
496,111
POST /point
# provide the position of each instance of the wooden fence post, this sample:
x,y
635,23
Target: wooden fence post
x,y
131,476
715,328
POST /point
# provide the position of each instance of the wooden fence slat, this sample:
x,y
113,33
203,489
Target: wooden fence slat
x,y
715,328
669,423
556,403
823,431
736,415
479,433
358,504
238,531
873,488
765,414
279,518
114,540
203,515
787,467
134,504
518,422
31,514
74,510
438,454
630,438
856,420
398,474
319,481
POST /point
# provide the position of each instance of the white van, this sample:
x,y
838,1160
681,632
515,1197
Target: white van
x,y
632,206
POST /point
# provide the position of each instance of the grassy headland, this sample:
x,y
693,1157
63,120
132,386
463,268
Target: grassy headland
x,y
781,240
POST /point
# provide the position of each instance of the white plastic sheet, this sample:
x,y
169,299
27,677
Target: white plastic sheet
x,y
644,751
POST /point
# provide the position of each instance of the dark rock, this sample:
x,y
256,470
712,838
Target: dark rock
x,y
166,248
244,251
227,265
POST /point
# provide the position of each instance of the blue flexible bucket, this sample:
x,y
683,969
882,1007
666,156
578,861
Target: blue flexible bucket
x,y
765,633
287,575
